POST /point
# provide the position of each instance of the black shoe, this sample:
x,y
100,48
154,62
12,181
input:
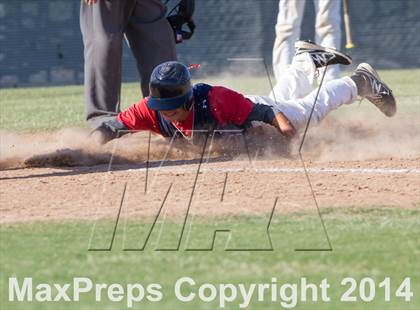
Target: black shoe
x,y
375,90
322,56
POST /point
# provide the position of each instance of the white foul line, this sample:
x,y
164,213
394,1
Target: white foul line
x,y
287,170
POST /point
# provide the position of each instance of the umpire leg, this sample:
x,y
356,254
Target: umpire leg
x,y
102,27
150,38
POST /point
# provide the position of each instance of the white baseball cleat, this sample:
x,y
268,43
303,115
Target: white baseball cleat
x,y
376,91
322,56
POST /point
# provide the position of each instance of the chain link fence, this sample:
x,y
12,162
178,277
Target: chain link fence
x,y
41,44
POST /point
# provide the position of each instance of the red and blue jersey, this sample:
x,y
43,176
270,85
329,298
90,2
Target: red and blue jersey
x,y
214,108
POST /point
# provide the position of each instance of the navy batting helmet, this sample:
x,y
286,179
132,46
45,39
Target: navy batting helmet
x,y
170,86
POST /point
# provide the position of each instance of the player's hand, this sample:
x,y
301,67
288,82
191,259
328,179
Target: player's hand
x,y
90,2
282,123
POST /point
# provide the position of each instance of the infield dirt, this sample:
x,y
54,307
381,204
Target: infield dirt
x,y
64,175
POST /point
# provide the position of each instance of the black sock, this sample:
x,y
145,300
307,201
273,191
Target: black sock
x,y
360,81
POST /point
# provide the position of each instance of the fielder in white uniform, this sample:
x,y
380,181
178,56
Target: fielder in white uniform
x,y
288,29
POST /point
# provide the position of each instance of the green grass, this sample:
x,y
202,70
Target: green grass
x,y
369,242
34,109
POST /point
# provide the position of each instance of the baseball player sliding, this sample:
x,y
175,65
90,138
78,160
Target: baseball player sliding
x,y
176,106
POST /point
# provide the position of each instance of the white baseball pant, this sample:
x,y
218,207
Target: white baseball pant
x,y
294,97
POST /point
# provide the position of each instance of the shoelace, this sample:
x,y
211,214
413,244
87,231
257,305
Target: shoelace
x,y
379,90
322,58
377,100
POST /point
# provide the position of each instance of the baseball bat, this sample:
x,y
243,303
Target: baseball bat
x,y
349,42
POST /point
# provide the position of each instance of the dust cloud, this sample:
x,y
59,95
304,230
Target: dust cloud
x,y
360,137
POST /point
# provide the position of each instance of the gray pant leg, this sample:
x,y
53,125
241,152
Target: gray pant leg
x,y
150,38
102,26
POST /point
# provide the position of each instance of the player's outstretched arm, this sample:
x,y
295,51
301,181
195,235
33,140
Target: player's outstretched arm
x,y
272,116
282,123
109,130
